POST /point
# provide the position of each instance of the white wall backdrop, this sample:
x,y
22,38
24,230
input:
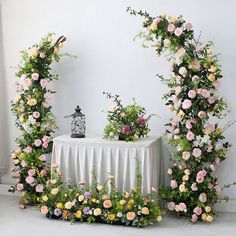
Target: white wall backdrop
x,y
101,34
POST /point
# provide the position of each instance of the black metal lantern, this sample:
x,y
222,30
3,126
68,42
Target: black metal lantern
x,y
77,123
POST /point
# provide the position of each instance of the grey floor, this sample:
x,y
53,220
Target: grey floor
x,y
16,222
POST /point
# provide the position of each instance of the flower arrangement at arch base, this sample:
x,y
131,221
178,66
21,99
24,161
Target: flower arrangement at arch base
x,y
98,203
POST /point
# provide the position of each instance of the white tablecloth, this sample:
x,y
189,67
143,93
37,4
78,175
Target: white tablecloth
x,y
77,158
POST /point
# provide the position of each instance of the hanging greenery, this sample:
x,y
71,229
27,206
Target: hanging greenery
x,y
34,118
198,141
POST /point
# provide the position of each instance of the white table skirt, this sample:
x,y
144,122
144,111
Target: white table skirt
x,y
78,158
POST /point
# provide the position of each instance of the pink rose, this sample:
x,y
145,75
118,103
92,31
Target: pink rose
x,y
188,26
182,206
171,206
45,145
15,174
201,114
39,188
194,218
35,76
29,180
178,31
181,52
197,152
209,148
27,82
48,95
188,124
202,197
218,188
197,210
171,28
178,79
44,210
192,93
42,55
169,171
186,104
37,142
45,139
194,187
210,185
211,100
173,184
19,187
186,155
203,92
182,166
31,172
43,172
36,114
178,90
42,157
28,149
46,105
190,136
43,83
183,71
199,47
171,67
216,84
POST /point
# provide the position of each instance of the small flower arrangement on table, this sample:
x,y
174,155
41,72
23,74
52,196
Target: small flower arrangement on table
x,y
126,123
98,203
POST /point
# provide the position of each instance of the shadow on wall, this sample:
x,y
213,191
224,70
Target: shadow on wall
x,y
4,160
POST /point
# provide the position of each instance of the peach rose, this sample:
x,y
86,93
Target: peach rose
x,y
130,215
107,204
44,210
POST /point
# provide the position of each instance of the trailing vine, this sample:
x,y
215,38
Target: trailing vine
x,y
34,118
192,98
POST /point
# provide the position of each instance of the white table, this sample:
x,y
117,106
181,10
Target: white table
x,y
77,158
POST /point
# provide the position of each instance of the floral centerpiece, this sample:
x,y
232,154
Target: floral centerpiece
x,y
34,117
100,203
126,122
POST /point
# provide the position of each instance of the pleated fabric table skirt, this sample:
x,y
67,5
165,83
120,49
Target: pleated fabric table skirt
x,y
77,159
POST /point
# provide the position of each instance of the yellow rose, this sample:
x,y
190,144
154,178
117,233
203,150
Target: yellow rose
x,y
104,197
78,214
163,15
207,131
53,181
94,200
209,52
16,162
131,202
177,208
111,216
207,208
181,114
17,99
21,155
81,198
211,77
212,69
99,187
21,119
97,212
173,20
32,102
187,172
145,211
68,205
45,198
13,155
204,217
126,194
209,218
185,177
122,202
159,218
112,108
59,205
182,188
153,26
60,45
54,191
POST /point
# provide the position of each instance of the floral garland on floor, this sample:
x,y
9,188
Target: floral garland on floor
x,y
34,118
192,98
98,203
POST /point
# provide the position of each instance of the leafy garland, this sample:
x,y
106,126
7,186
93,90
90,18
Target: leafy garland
x,y
34,118
192,98
98,203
